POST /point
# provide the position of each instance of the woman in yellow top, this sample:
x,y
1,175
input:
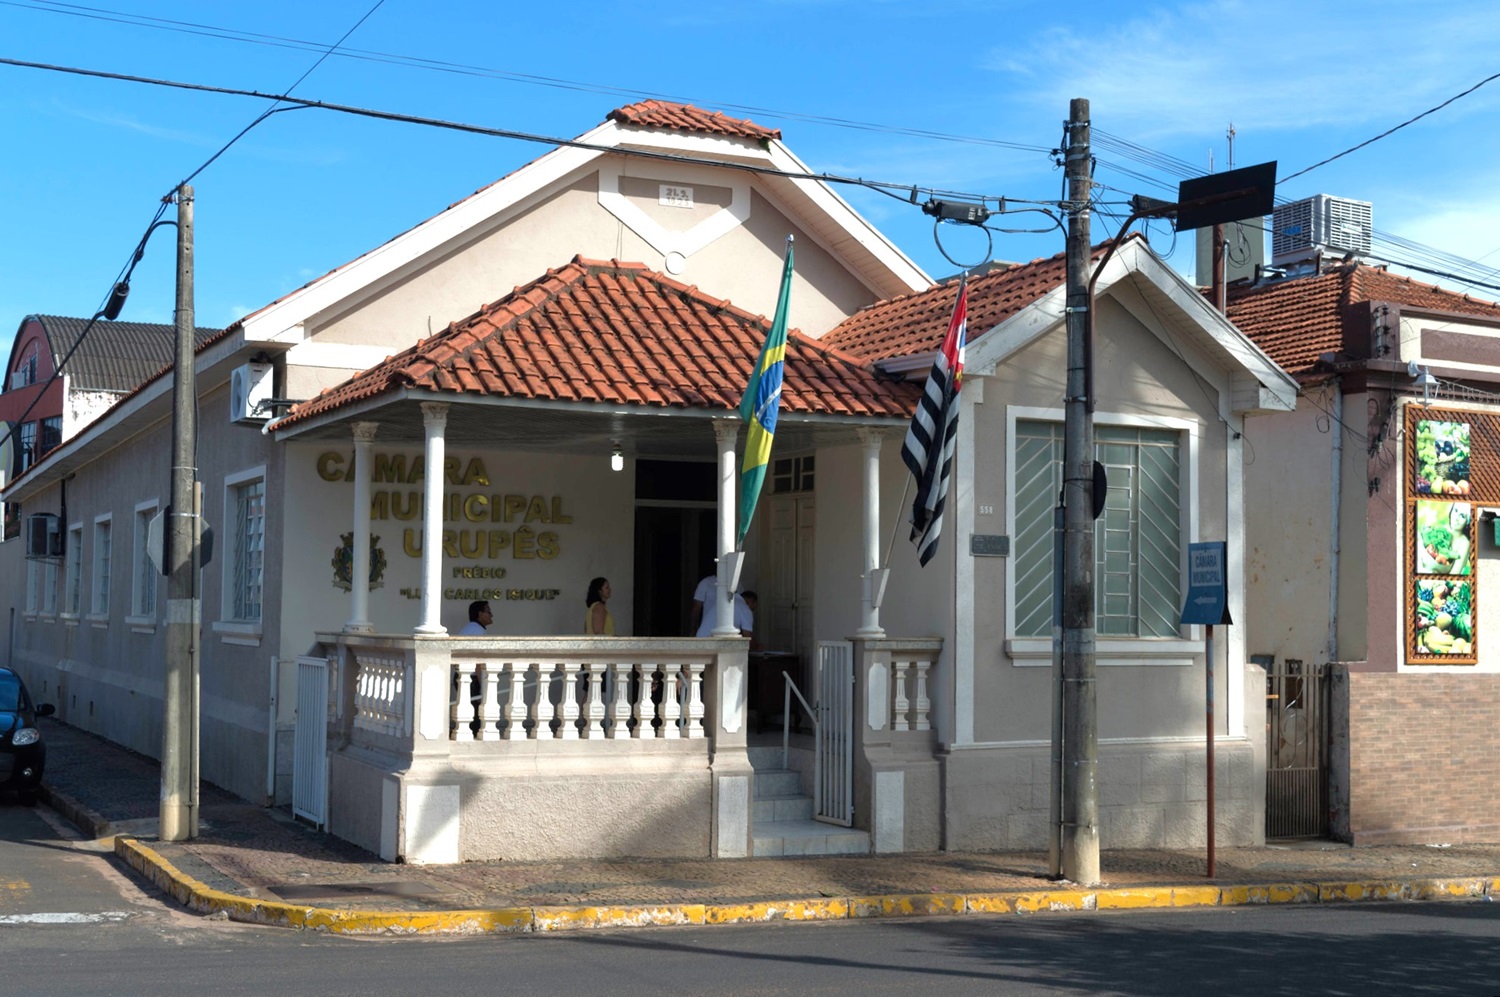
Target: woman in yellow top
x,y
597,621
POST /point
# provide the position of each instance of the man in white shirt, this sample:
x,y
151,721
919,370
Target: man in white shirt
x,y
703,600
480,619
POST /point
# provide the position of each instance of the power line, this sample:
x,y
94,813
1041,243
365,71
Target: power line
x,y
1393,130
439,65
901,191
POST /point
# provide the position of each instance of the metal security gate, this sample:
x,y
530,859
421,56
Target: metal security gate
x,y
833,781
1297,751
310,744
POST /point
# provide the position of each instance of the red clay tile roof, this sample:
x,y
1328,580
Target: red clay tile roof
x,y
916,323
1297,320
687,118
618,333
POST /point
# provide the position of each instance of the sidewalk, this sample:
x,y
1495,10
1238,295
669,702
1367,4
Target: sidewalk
x,y
258,864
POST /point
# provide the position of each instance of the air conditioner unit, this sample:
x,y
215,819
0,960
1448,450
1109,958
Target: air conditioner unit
x,y
250,386
1320,224
43,535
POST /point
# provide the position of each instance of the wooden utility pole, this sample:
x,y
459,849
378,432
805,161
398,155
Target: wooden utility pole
x,y
1080,817
179,754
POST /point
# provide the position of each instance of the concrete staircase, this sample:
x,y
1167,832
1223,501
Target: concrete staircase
x,y
781,816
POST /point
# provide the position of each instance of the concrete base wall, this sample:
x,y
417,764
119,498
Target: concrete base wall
x,y
649,807
355,781
1150,796
1416,758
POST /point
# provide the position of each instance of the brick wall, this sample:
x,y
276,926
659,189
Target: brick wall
x,y
1416,758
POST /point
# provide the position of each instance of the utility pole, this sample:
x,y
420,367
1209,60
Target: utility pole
x,y
1080,816
179,755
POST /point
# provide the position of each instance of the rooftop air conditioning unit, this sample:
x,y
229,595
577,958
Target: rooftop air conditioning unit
x,y
43,536
1322,223
250,391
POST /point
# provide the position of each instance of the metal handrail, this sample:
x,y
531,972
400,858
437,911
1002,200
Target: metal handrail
x,y
789,688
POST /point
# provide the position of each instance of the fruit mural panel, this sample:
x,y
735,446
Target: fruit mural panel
x,y
1449,462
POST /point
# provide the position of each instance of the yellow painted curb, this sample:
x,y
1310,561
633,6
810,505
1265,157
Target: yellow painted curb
x,y
907,905
1133,899
624,916
1031,903
198,896
195,895
824,909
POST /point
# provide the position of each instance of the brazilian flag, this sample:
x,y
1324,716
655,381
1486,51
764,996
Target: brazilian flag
x,y
761,403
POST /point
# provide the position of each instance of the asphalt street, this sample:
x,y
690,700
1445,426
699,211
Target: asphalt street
x,y
73,922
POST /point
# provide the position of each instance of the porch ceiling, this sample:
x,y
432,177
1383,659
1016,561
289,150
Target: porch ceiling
x,y
515,424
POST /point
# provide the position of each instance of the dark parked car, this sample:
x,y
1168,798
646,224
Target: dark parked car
x,y
22,753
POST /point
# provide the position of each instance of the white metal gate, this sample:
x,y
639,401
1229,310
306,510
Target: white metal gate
x,y
833,779
310,744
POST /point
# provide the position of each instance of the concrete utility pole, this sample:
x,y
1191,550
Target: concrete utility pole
x,y
1080,831
179,753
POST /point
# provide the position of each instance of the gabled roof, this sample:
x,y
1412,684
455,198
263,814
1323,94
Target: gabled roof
x,y
595,332
647,126
687,118
915,323
1297,320
115,356
1010,308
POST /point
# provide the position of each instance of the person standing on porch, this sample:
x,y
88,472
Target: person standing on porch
x,y
597,619
480,619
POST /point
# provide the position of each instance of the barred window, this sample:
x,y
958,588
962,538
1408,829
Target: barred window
x,y
1137,540
249,550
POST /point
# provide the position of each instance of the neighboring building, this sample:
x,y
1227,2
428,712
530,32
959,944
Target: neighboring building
x,y
39,411
330,658
1377,491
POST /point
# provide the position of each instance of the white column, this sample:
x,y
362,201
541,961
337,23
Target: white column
x,y
725,432
359,588
869,617
435,418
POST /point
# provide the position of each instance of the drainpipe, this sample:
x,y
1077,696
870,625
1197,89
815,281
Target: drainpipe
x,y
271,710
1335,475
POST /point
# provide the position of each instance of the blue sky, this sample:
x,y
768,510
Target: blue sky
x,y
86,161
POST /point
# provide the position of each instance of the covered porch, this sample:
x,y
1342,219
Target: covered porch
x,y
533,743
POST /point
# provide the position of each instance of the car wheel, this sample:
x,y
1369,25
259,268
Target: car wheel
x,y
28,797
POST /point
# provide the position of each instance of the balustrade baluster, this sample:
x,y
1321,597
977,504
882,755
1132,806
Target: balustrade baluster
x,y
461,709
923,704
515,706
617,720
694,699
593,704
671,706
645,709
568,731
899,703
541,710
489,703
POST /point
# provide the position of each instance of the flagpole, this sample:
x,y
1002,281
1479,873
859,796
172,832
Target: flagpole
x,y
896,526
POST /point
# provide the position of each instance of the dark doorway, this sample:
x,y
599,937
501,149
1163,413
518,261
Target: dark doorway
x,y
676,520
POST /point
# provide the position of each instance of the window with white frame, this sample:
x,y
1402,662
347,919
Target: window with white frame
x,y
100,604
73,577
1138,540
49,587
245,510
143,599
33,585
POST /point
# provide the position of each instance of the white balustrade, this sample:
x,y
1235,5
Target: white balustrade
x,y
380,694
899,703
569,700
461,707
911,707
923,705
